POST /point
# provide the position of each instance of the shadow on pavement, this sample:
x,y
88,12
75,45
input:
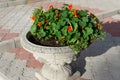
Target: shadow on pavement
x,y
99,47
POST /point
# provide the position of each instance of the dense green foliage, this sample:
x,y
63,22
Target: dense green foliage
x,y
75,28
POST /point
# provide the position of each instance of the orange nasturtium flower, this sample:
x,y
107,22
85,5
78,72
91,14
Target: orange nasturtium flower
x,y
98,25
39,24
33,18
51,6
70,6
75,12
95,17
69,28
58,15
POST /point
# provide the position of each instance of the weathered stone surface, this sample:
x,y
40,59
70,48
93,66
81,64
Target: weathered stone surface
x,y
17,42
100,68
6,45
3,77
16,69
7,3
16,2
30,72
27,78
3,4
89,73
6,61
1,55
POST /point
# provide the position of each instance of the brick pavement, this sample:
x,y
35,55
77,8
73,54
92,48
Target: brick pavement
x,y
98,59
7,3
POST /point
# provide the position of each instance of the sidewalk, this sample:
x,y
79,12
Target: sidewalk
x,y
101,61
7,3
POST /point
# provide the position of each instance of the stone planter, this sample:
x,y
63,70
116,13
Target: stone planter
x,y
55,59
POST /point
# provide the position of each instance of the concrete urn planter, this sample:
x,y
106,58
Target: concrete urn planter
x,y
55,59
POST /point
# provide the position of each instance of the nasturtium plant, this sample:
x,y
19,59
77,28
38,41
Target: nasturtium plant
x,y
66,26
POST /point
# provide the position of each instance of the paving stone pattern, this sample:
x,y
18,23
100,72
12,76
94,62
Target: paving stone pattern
x,y
8,3
101,61
16,69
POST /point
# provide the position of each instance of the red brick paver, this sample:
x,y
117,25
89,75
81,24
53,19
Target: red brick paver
x,y
15,51
2,35
10,36
5,34
111,26
32,62
3,30
22,54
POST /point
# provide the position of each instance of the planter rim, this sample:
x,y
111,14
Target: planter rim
x,y
43,53
23,37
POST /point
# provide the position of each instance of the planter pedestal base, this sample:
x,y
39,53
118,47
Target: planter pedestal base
x,y
39,76
55,59
56,72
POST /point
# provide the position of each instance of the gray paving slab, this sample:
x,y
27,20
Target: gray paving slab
x,y
9,16
4,12
108,13
17,17
7,45
3,4
6,61
3,77
22,22
17,42
16,2
16,69
118,48
27,78
103,66
117,17
29,73
100,68
1,54
113,60
102,4
88,74
7,3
